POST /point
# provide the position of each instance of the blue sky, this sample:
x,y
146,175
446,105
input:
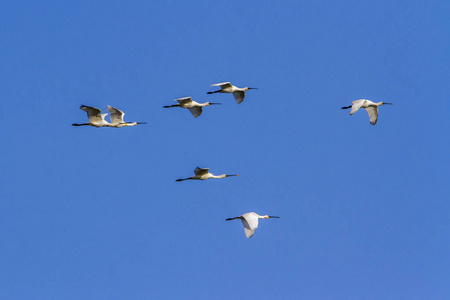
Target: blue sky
x,y
89,213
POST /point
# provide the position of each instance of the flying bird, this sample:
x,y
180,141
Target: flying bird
x,y
194,107
117,118
369,106
250,222
203,174
96,118
238,93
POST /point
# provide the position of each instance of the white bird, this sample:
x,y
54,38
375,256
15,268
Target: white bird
x,y
369,106
194,107
203,174
238,93
250,222
117,118
96,118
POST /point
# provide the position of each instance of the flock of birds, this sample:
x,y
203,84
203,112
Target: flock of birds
x,y
250,219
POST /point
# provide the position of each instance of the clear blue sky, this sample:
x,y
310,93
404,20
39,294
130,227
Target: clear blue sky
x,y
90,213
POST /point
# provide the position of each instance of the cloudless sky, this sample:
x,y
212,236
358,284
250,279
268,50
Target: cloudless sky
x,y
88,213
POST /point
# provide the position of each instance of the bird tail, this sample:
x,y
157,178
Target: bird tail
x,y
75,124
229,219
175,105
346,107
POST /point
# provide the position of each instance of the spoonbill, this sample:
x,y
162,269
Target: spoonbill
x,y
250,222
369,106
194,107
238,93
96,118
117,118
203,174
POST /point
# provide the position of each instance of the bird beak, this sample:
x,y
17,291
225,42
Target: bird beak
x,y
214,103
252,88
274,217
141,122
389,103
232,175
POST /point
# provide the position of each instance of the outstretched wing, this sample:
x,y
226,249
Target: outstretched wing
x,y
184,100
223,85
373,114
200,171
196,111
116,115
250,223
356,105
94,114
239,96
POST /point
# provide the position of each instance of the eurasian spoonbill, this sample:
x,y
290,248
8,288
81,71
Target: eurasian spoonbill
x,y
96,118
369,106
203,174
238,93
250,222
194,107
117,118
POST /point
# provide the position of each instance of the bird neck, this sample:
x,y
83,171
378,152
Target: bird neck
x,y
218,176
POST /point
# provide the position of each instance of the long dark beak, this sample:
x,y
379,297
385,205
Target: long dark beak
x,y
142,122
214,103
252,88
232,175
273,217
389,103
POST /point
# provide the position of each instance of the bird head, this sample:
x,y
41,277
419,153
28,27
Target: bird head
x,y
383,103
267,217
249,88
209,103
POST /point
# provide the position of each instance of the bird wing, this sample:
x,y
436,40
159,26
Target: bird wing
x,y
239,96
200,171
116,115
196,111
248,232
250,222
184,100
373,114
356,105
94,114
223,85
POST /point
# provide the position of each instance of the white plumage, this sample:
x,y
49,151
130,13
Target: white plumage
x,y
203,174
227,87
250,221
194,107
369,106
